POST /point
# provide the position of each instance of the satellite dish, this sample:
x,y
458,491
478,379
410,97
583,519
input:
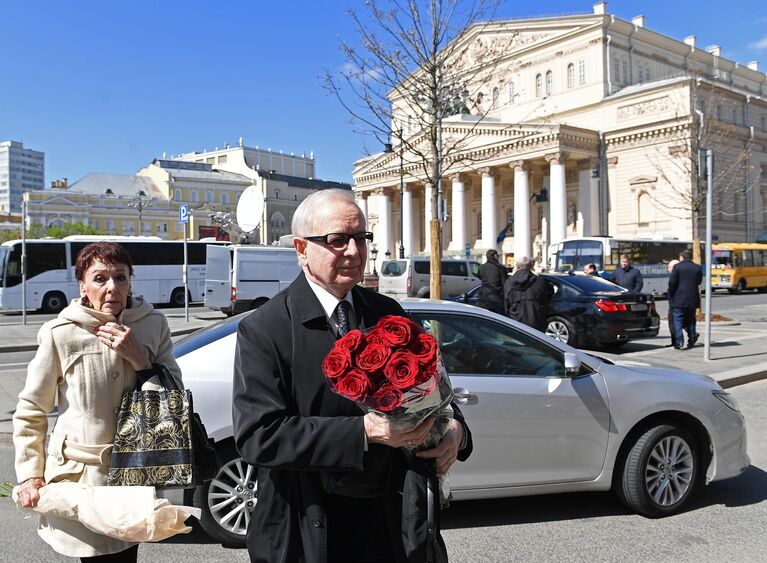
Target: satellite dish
x,y
250,209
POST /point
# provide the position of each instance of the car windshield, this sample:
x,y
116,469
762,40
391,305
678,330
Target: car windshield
x,y
206,335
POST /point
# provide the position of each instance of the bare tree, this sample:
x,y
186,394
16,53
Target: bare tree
x,y
412,66
712,124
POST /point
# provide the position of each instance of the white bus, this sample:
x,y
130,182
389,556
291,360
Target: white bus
x,y
649,256
51,282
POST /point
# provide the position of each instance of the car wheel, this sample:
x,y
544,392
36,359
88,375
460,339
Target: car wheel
x,y
562,330
54,302
227,501
660,471
738,289
177,297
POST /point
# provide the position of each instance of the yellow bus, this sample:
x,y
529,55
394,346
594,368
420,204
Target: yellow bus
x,y
737,266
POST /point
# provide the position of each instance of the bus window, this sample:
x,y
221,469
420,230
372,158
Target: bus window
x,y
13,267
45,256
3,256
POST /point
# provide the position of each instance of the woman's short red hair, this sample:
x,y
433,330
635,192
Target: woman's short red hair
x,y
105,252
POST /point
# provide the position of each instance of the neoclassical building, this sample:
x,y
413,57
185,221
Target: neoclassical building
x,y
587,126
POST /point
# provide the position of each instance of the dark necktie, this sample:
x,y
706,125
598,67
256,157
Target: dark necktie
x,y
342,313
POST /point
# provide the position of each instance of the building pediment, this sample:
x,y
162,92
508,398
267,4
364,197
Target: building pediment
x,y
57,201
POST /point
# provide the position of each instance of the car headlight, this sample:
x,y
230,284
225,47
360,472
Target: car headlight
x,y
727,399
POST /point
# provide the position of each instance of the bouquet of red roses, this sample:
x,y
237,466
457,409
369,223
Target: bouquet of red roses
x,y
396,370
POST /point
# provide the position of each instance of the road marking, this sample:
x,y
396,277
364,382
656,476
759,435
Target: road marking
x,y
17,365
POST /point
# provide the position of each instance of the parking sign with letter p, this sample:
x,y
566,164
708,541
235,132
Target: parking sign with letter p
x,y
183,213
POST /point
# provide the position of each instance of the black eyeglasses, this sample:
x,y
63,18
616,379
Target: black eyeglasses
x,y
340,240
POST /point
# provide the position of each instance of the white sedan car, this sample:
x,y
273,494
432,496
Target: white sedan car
x,y
545,417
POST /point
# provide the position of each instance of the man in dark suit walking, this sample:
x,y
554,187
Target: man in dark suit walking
x,y
330,477
684,299
493,275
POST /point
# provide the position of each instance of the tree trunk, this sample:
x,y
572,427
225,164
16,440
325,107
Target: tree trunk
x,y
435,279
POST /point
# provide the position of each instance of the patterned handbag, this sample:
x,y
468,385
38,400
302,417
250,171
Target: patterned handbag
x,y
160,440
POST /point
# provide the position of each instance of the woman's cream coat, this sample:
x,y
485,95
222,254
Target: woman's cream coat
x,y
73,369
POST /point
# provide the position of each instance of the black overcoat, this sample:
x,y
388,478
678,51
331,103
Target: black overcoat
x,y
493,276
290,424
684,285
526,298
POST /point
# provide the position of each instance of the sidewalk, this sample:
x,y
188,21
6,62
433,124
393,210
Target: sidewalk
x,y
738,354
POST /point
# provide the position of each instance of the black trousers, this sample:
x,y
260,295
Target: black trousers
x,y
357,531
130,555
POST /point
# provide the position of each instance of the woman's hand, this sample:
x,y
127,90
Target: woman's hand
x,y
120,339
29,494
446,451
381,430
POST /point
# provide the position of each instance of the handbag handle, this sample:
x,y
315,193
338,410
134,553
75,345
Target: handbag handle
x,y
163,375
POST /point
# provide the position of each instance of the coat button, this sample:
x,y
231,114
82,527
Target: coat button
x,y
315,523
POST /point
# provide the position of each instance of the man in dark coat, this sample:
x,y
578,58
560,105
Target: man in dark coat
x,y
330,478
628,276
527,296
684,299
493,275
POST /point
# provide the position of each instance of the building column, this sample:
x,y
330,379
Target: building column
x,y
362,203
427,215
557,197
384,239
588,199
521,209
489,210
458,215
407,221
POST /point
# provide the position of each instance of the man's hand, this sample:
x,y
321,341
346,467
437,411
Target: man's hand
x,y
381,430
446,451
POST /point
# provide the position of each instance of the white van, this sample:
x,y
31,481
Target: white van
x,y
409,277
244,277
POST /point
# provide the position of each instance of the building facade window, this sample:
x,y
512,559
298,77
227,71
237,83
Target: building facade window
x,y
177,195
549,82
616,69
224,198
625,72
538,85
193,196
208,197
511,94
644,209
277,223
495,98
110,227
640,71
581,71
570,75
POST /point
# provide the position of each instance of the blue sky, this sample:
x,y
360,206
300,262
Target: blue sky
x,y
105,86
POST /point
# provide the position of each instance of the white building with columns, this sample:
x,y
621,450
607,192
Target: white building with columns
x,y
587,127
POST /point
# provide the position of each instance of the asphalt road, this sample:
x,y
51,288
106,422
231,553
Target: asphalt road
x,y
725,522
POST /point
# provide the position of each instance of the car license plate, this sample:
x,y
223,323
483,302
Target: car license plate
x,y
639,307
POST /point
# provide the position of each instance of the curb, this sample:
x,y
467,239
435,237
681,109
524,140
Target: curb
x,y
33,347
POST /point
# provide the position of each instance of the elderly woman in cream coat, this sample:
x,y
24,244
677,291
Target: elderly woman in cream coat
x,y
87,358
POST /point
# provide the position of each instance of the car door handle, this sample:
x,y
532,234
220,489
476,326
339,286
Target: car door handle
x,y
463,397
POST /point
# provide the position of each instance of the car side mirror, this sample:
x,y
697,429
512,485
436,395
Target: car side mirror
x,y
572,364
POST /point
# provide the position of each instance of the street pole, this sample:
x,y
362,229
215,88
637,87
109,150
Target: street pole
x,y
709,253
186,279
23,262
401,200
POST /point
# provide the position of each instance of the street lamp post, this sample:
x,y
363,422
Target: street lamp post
x,y
140,202
373,256
388,149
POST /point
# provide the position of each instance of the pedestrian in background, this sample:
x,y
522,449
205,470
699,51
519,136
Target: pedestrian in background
x,y
590,269
493,274
671,329
526,296
684,299
627,276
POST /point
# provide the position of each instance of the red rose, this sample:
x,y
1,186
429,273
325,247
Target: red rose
x,y
376,336
354,385
351,342
425,348
336,363
373,358
402,369
397,331
387,398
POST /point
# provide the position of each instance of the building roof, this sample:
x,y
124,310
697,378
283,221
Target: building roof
x,y
299,182
180,169
118,184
